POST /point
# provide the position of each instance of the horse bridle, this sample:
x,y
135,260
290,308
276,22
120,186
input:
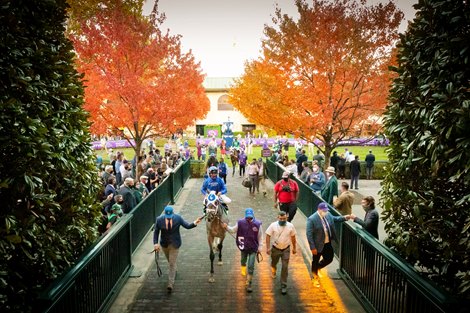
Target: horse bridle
x,y
211,214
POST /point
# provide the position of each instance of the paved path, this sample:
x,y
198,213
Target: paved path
x,y
192,291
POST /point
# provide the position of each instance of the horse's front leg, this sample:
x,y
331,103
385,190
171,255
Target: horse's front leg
x,y
212,257
219,246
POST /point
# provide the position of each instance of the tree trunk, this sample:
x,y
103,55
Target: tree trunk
x,y
328,150
138,161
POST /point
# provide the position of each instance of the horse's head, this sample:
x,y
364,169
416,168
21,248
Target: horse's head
x,y
212,206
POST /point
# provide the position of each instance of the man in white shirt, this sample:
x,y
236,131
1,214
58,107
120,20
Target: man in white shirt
x,y
350,157
283,234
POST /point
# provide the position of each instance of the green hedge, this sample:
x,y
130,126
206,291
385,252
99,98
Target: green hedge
x,y
197,168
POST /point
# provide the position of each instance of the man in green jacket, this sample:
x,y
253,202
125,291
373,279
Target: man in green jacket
x,y
331,187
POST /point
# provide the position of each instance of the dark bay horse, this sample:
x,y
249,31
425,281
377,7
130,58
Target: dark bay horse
x,y
234,159
215,217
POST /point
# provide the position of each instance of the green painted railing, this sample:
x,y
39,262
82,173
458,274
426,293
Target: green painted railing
x,y
147,211
381,280
96,279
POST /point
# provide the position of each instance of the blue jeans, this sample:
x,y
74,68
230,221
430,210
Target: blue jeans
x,y
250,259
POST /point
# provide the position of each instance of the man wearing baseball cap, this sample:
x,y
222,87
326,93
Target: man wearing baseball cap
x,y
320,233
170,241
286,192
249,240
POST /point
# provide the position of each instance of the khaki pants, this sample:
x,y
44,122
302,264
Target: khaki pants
x,y
262,183
284,255
171,254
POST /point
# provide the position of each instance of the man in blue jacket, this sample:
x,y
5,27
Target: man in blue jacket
x,y
170,241
214,183
320,233
223,170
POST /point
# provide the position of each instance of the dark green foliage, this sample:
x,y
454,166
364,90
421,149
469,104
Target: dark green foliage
x,y
48,182
427,189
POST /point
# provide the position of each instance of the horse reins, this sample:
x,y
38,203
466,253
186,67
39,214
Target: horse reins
x,y
157,255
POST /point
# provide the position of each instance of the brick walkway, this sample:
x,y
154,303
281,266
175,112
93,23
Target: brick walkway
x,y
193,292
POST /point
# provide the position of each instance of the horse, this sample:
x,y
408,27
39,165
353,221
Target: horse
x,y
215,218
234,159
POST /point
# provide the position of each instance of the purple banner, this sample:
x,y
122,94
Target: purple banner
x,y
115,144
112,144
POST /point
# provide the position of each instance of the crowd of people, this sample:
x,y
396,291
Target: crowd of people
x,y
122,190
280,236
317,177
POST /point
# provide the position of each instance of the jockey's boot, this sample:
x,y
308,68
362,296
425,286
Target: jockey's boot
x,y
243,270
248,283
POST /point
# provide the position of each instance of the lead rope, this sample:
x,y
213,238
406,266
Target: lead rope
x,y
156,257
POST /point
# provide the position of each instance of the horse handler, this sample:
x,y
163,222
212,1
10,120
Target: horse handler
x,y
249,240
283,234
170,241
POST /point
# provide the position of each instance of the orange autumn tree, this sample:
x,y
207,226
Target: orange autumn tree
x,y
82,10
137,77
322,75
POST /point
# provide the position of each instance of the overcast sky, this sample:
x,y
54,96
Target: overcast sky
x,y
223,34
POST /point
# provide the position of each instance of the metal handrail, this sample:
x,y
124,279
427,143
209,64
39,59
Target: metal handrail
x,y
51,297
68,294
417,293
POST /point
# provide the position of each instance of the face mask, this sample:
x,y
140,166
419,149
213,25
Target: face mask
x,y
285,179
315,170
282,223
323,213
365,207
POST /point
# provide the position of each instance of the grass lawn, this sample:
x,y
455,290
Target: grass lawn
x,y
362,151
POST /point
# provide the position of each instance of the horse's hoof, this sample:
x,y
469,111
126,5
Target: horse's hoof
x,y
220,263
211,279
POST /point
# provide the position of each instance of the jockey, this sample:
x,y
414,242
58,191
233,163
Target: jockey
x,y
214,183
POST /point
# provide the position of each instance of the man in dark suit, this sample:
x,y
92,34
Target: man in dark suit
x,y
110,190
320,233
371,221
128,195
370,159
170,241
355,171
371,225
302,158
